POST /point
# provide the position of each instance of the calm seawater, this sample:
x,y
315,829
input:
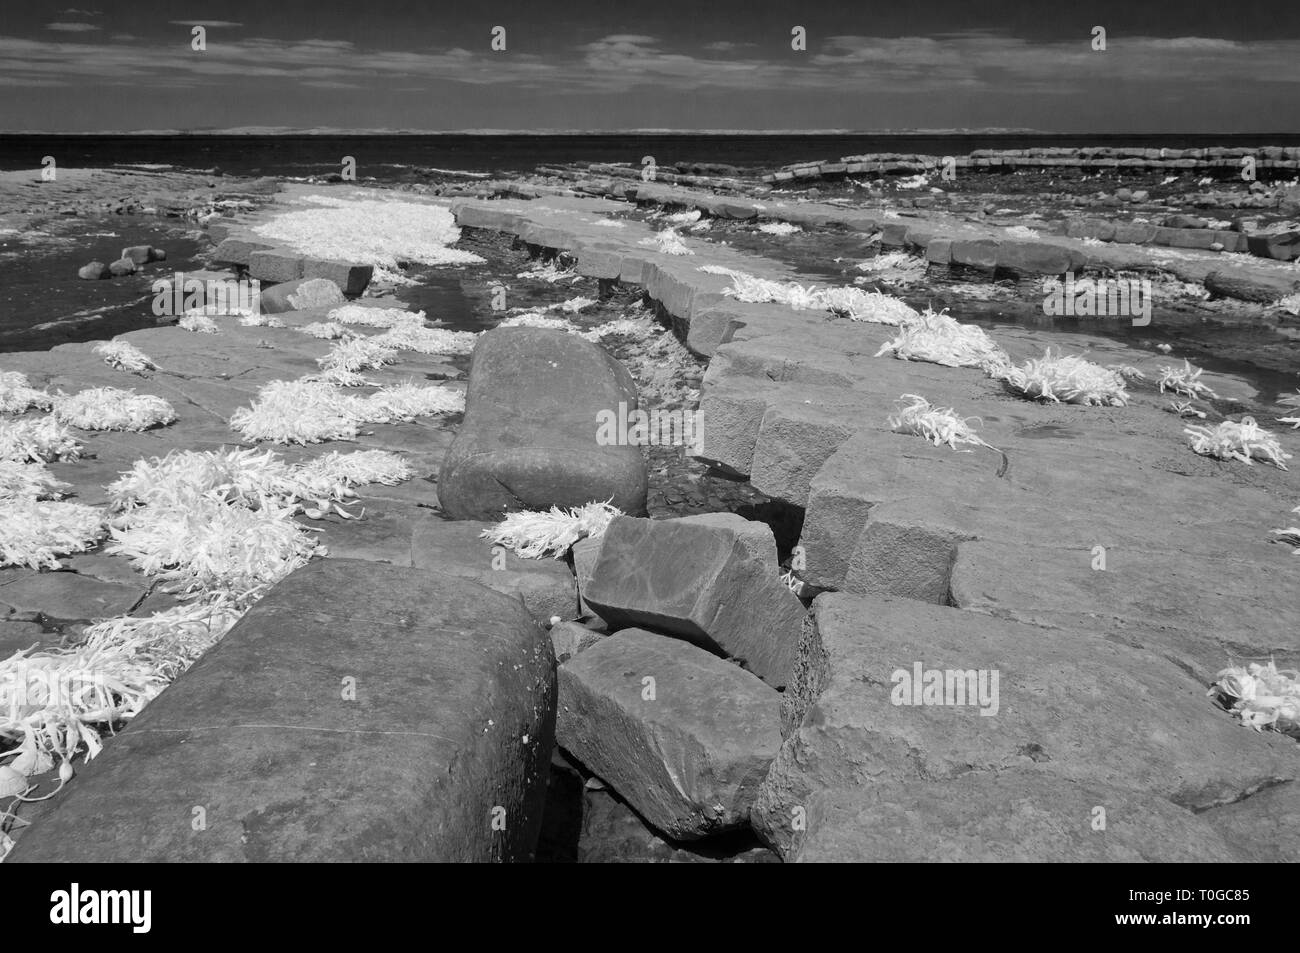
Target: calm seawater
x,y
385,157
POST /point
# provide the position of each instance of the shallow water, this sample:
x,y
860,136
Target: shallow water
x,y
1265,355
44,303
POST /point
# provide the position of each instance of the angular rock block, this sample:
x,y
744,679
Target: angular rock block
x,y
532,429
275,265
1099,229
1201,238
238,251
585,552
1127,233
300,295
795,438
1036,258
712,580
452,725
731,415
682,735
570,638
1282,246
457,548
352,278
600,262
894,691
980,253
479,215
122,268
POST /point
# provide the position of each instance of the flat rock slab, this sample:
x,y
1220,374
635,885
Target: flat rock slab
x,y
451,729
70,595
1265,827
1020,816
712,580
531,437
682,735
457,548
1008,695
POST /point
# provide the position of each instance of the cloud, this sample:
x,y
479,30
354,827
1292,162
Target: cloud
x,y
207,24
83,13
71,27
981,63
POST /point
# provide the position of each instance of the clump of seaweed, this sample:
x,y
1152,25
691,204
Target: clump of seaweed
x,y
533,534
1245,441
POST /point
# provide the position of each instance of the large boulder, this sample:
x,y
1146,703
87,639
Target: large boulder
x,y
360,712
712,580
299,295
532,435
143,254
897,701
682,735
1246,285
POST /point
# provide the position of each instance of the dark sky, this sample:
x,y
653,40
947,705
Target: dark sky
x,y
1221,67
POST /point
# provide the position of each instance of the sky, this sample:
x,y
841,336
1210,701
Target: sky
x,y
609,65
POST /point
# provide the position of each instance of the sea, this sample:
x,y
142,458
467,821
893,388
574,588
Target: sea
x,y
393,157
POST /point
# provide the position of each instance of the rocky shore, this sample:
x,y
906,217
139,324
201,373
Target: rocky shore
x,y
708,667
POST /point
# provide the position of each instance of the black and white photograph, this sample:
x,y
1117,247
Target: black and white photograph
x,y
630,433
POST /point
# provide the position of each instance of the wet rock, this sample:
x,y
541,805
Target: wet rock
x,y
683,736
532,437
712,580
142,254
428,704
94,271
70,595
